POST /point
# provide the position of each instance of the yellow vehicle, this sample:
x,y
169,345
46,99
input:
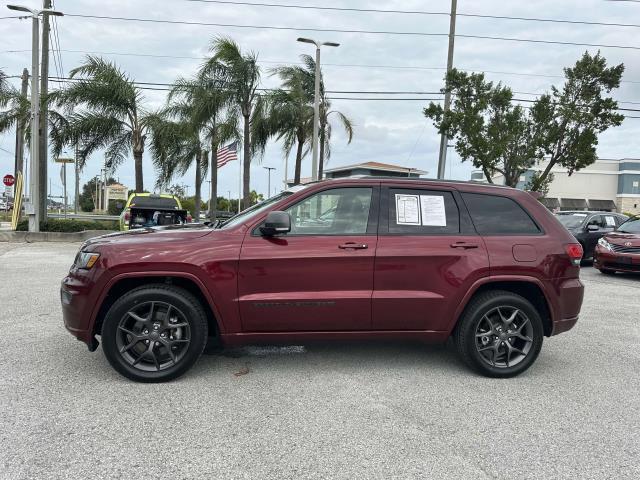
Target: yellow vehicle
x,y
152,209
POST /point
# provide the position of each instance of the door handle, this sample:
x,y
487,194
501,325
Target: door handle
x,y
354,245
464,245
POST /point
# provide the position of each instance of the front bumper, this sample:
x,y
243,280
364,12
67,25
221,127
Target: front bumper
x,y
77,308
605,259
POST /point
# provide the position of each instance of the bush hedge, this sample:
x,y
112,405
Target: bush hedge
x,y
69,226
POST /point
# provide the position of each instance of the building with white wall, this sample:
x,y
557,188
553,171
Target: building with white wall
x,y
607,184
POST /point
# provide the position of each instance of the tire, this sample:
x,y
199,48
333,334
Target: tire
x,y
176,333
480,323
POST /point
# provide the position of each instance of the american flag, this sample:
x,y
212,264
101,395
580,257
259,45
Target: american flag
x,y
227,154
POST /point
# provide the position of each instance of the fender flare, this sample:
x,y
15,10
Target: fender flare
x,y
498,279
155,273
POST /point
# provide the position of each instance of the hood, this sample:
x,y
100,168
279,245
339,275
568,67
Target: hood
x,y
620,238
150,235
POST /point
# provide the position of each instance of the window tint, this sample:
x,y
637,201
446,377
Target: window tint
x,y
493,215
154,202
572,220
597,220
341,211
422,212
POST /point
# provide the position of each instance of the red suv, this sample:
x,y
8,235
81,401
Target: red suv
x,y
358,258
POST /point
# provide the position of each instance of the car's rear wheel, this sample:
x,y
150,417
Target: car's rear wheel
x,y
500,334
154,333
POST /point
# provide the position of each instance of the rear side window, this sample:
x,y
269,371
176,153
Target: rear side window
x,y
493,215
422,212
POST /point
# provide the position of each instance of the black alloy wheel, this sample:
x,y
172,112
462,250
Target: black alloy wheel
x,y
154,333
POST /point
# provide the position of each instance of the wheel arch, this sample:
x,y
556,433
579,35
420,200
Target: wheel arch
x,y
126,282
529,288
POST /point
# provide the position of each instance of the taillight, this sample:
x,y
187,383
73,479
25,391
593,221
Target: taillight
x,y
127,216
189,219
574,250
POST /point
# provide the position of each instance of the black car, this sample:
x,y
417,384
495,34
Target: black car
x,y
589,227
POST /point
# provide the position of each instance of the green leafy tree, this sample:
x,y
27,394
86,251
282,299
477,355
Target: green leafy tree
x,y
107,113
242,78
88,196
570,119
489,130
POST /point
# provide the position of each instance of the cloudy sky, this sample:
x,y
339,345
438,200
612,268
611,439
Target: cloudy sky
x,y
391,131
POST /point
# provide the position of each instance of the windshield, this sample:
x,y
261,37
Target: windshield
x,y
572,220
630,226
251,212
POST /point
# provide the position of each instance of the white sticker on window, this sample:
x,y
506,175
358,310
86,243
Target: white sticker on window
x,y
611,222
407,209
433,211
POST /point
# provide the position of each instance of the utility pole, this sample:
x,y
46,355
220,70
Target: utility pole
x,y
316,103
269,181
442,161
43,148
33,209
76,200
19,165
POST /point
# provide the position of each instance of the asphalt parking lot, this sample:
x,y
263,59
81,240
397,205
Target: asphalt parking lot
x,y
334,411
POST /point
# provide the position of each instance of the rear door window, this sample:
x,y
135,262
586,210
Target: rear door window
x,y
496,215
422,212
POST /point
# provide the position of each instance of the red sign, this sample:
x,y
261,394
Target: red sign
x,y
9,180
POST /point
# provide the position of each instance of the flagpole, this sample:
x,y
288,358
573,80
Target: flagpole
x,y
240,159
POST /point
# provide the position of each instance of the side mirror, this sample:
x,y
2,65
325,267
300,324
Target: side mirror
x,y
276,223
592,228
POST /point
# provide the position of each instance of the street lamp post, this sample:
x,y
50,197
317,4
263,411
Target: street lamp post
x,y
33,210
316,103
269,181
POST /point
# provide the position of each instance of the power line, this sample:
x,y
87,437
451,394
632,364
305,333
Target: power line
x,y
324,64
417,12
335,30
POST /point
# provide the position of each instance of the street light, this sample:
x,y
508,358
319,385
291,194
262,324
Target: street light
x,y
33,210
269,182
316,103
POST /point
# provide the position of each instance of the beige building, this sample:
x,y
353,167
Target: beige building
x,y
607,184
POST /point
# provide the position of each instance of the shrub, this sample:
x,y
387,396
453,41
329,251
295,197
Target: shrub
x,y
68,226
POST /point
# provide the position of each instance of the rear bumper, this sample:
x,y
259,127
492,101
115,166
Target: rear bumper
x,y
570,294
604,259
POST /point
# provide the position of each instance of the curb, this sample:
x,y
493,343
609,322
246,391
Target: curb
x,y
29,237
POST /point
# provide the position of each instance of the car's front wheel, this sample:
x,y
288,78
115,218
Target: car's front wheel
x,y
154,333
500,334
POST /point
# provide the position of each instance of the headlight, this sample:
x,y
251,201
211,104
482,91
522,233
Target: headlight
x,y
86,260
604,244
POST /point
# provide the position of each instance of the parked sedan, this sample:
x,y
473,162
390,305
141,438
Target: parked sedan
x,y
619,251
589,227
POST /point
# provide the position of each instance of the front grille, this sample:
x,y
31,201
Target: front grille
x,y
624,249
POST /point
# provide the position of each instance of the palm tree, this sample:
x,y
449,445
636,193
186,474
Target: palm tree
x,y
112,116
290,113
325,131
175,146
204,103
242,75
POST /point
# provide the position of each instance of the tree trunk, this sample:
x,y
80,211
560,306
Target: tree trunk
x,y
137,158
321,160
213,203
198,194
296,178
246,174
487,175
535,186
